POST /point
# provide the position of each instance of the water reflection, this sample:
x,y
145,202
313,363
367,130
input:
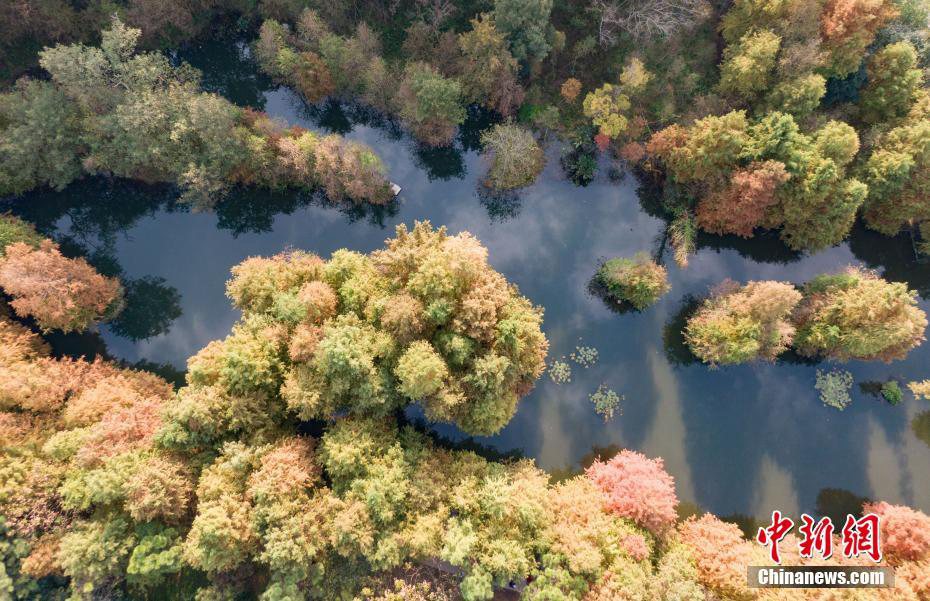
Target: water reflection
x,y
151,306
738,440
837,503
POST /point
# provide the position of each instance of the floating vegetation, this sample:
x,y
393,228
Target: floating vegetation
x,y
921,389
606,402
585,356
891,391
560,372
834,387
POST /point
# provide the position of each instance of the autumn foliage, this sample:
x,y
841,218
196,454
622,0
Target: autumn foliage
x,y
637,488
741,207
60,293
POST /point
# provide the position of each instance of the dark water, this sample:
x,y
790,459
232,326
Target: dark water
x,y
745,439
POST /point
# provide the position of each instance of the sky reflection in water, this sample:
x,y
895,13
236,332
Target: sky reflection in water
x,y
746,439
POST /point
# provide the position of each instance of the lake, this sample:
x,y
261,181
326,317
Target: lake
x,y
738,440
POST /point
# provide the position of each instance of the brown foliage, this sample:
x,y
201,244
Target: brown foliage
x,y
741,206
60,293
313,78
319,299
570,89
43,557
121,431
847,27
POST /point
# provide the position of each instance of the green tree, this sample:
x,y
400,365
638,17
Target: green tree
x,y
488,72
430,104
799,97
898,175
40,138
894,80
526,25
747,65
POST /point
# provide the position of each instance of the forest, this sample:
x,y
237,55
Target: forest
x,y
366,408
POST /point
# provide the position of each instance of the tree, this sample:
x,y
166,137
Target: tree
x,y
430,104
847,28
719,552
39,138
815,206
799,97
526,25
570,89
637,488
60,293
741,207
424,320
854,314
897,173
514,156
748,64
488,72
605,107
743,323
905,532
137,115
638,281
706,150
893,84
643,19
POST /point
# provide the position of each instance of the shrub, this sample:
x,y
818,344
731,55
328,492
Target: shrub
x,y
606,402
743,323
854,314
920,389
638,281
514,156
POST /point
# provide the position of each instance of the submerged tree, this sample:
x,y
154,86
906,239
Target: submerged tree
x,y
430,104
743,323
639,281
855,314
425,320
515,157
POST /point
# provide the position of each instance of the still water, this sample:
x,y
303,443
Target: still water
x,y
738,440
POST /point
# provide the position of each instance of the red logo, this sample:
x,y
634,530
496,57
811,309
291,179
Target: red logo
x,y
859,536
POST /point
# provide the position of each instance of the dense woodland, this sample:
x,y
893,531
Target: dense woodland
x,y
283,468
